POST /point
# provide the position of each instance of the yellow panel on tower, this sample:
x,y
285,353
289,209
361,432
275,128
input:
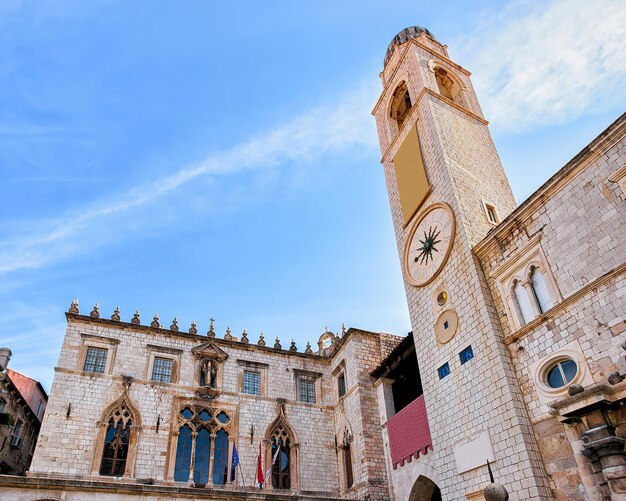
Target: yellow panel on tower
x,y
411,175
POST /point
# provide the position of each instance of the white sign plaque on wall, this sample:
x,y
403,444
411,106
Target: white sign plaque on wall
x,y
473,451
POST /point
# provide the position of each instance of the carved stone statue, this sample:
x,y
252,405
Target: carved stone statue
x,y
208,373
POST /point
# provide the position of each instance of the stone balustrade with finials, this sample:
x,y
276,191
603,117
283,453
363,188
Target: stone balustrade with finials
x,y
325,348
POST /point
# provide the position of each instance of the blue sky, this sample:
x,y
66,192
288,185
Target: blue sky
x,y
199,160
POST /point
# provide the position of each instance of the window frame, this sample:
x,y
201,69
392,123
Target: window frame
x,y
308,377
163,352
539,371
155,367
255,385
261,368
98,361
92,341
489,209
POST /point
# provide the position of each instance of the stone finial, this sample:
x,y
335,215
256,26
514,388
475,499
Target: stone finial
x,y
615,378
293,346
326,328
116,314
261,340
244,337
74,307
575,389
228,336
211,331
155,321
135,320
174,326
95,313
277,345
496,492
343,329
193,329
308,350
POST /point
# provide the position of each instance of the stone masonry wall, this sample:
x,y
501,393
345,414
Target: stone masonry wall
x,y
579,216
67,442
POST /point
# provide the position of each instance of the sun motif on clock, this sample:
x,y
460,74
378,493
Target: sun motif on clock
x,y
429,244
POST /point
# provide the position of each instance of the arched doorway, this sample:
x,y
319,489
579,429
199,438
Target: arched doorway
x,y
425,489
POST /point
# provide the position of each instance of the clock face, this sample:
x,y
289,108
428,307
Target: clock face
x,y
429,244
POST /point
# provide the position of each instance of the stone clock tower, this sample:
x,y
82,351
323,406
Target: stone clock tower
x,y
447,189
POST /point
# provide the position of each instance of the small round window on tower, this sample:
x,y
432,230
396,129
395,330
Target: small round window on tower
x,y
561,373
442,298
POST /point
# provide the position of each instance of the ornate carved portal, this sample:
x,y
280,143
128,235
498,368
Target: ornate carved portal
x,y
281,452
117,437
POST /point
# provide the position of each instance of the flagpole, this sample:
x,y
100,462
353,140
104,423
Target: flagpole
x,y
242,477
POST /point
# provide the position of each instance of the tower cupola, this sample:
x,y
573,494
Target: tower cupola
x,y
404,36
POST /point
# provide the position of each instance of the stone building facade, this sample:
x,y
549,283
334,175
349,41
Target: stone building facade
x,y
515,364
22,406
518,313
179,403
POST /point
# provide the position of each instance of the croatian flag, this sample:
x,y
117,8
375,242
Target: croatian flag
x,y
234,463
259,469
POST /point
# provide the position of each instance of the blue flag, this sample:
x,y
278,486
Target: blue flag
x,y
234,463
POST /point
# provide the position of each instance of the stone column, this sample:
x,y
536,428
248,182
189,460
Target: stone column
x,y
192,460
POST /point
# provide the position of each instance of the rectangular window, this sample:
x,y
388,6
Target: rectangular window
x,y
466,355
341,384
162,369
96,360
492,215
307,391
251,382
444,370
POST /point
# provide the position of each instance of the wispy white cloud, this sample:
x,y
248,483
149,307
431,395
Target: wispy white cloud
x,y
342,125
548,62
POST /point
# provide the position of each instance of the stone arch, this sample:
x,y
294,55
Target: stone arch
x,y
281,429
424,489
448,83
400,104
122,411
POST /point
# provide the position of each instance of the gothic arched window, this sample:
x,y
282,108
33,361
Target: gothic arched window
x,y
522,302
400,104
540,290
203,446
116,444
115,448
346,459
281,453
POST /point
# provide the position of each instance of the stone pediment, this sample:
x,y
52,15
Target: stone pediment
x,y
209,350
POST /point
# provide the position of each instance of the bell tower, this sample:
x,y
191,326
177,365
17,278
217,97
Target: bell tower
x,y
447,189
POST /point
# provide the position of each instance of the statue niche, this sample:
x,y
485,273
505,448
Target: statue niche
x,y
209,369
